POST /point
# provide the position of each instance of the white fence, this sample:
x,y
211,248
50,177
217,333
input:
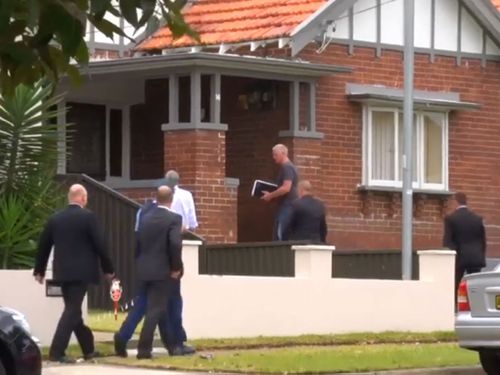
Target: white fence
x,y
309,303
314,303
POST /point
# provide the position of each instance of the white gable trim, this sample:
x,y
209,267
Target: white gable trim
x,y
317,22
482,10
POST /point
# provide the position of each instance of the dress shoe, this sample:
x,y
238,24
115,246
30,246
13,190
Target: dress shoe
x,y
181,350
93,355
144,355
188,350
120,346
62,359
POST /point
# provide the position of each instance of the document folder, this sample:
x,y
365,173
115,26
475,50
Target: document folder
x,y
259,186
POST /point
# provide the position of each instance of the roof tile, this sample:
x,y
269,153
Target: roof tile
x,y
234,21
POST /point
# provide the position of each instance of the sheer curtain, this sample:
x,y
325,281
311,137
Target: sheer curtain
x,y
433,153
382,153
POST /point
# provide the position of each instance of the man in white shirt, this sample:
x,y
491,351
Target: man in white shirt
x,y
182,204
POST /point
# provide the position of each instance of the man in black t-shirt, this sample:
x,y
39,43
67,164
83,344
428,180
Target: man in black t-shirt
x,y
286,193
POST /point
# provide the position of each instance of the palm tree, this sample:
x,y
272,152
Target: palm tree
x,y
29,138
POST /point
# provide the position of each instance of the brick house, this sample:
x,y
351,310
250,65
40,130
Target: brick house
x,y
324,78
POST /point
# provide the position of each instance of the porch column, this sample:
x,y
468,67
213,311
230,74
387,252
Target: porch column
x,y
302,139
197,150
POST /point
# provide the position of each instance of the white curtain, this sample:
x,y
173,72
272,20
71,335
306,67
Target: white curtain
x,y
433,153
382,153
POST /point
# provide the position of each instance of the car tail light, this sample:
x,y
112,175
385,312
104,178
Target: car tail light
x,y
462,297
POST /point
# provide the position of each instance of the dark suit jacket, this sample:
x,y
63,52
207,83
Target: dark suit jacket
x,y
79,245
160,241
307,220
464,232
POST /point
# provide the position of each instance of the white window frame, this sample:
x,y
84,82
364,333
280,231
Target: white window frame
x,y
419,157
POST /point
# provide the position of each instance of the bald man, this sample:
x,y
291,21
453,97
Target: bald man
x,y
307,221
79,247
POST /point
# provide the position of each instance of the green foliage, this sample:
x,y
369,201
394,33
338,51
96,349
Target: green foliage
x,y
28,155
40,38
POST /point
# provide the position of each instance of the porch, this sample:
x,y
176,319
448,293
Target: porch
x,y
214,118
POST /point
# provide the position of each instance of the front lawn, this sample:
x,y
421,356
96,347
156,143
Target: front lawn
x,y
307,359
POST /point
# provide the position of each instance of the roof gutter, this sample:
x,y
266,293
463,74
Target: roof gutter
x,y
214,60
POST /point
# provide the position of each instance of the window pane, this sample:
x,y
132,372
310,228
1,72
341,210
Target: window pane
x,y
401,146
433,140
383,146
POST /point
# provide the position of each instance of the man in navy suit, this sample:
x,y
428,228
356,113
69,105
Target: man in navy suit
x,y
464,232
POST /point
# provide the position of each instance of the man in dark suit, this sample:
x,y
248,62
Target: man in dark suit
x,y
79,246
158,264
307,219
464,232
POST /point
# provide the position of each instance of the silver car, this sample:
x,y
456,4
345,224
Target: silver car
x,y
477,321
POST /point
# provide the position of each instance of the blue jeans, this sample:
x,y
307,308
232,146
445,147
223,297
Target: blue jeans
x,y
281,222
171,330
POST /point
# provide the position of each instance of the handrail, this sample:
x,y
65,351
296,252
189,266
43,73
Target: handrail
x,y
85,178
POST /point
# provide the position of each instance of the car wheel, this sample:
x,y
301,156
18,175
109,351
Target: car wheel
x,y
490,361
2,369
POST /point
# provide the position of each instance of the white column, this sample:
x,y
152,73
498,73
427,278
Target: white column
x,y
313,261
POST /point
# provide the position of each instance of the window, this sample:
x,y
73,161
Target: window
x,y
383,148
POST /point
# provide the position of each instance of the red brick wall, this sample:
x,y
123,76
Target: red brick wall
x,y
359,222
200,156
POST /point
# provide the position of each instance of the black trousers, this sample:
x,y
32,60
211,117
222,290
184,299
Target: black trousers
x,y
157,294
71,321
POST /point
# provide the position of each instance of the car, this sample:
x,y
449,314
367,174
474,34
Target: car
x,y
19,350
477,321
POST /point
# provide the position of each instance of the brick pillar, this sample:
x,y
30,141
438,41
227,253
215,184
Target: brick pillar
x,y
306,155
199,155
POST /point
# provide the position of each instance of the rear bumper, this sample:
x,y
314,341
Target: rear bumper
x,y
475,333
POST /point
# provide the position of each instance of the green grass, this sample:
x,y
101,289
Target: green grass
x,y
317,359
99,320
104,321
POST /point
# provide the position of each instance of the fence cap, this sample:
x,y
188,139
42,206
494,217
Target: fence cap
x,y
436,252
313,247
192,243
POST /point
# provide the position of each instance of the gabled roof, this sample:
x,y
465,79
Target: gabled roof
x,y
236,21
292,22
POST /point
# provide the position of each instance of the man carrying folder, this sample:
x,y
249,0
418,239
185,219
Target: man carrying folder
x,y
286,192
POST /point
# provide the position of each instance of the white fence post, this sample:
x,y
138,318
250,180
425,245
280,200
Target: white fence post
x,y
313,261
190,257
